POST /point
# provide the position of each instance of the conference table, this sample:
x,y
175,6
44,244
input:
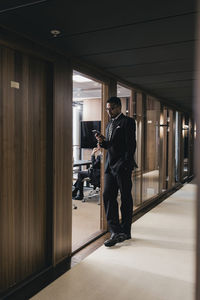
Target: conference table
x,y
80,163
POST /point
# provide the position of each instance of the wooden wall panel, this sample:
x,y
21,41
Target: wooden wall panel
x,y
151,127
62,161
108,90
23,163
171,150
163,150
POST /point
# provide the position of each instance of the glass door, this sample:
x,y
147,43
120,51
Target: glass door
x,y
87,107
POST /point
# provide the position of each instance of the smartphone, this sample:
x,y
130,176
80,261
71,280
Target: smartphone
x,y
98,133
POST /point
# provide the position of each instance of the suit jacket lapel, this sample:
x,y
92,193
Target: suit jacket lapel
x,y
116,123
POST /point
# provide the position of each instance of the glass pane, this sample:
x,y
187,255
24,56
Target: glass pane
x,y
137,177
124,94
185,134
87,103
151,158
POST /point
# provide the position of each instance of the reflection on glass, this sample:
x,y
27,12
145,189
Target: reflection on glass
x,y
136,190
87,102
150,176
137,175
177,148
185,134
125,95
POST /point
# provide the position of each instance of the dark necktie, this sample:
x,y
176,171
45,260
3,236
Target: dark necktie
x,y
110,129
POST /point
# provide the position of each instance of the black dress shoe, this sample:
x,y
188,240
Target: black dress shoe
x,y
128,236
115,238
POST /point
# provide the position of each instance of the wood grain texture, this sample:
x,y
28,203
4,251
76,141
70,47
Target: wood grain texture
x,y
62,228
171,150
23,162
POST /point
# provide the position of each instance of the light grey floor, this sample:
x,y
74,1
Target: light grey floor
x,y
157,264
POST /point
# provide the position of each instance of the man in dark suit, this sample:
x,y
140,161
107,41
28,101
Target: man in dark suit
x,y
121,144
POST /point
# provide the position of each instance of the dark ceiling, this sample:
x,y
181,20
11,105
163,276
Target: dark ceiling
x,y
147,43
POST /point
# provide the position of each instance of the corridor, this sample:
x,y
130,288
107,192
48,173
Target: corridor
x,y
157,264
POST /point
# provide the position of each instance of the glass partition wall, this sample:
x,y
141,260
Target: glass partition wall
x,y
159,134
137,112
185,136
87,106
150,177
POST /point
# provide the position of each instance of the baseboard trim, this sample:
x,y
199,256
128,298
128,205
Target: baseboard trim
x,y
32,285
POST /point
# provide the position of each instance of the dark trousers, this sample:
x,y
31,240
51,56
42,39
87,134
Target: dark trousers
x,y
79,182
112,184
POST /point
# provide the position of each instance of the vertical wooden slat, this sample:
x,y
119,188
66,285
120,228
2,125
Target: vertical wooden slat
x,y
62,227
163,148
104,120
7,170
108,91
171,150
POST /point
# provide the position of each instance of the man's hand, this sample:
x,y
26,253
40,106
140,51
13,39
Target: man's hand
x,y
99,138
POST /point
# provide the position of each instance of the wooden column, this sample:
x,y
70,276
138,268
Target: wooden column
x,y
163,149
171,149
108,90
62,224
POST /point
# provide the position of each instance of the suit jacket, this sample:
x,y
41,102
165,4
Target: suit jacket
x,y
122,145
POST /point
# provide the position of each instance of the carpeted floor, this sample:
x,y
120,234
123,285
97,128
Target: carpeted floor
x,y
158,263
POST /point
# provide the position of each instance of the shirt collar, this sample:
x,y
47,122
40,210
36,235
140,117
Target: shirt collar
x,y
113,119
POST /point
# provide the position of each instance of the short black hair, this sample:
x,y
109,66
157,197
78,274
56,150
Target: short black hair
x,y
114,100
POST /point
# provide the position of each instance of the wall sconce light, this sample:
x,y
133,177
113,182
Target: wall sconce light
x,y
162,122
164,125
185,127
185,130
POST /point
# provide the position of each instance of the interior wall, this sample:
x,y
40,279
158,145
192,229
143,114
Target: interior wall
x,y
24,227
36,164
91,112
92,109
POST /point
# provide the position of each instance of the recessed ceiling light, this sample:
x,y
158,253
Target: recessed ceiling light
x,y
55,32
